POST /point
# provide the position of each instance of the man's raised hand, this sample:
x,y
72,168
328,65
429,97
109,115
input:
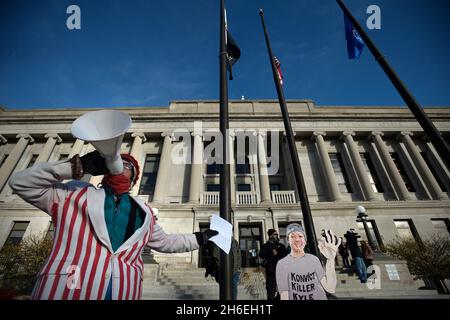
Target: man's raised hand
x,y
329,244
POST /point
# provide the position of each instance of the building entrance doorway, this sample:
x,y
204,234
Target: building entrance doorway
x,y
250,241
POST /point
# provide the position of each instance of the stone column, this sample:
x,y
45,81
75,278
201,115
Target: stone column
x,y
262,166
139,139
392,169
136,152
77,148
287,165
363,175
196,181
431,183
52,140
327,167
442,168
164,167
10,163
231,136
3,141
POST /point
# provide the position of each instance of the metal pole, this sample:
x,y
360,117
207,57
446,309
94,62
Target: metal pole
x,y
432,132
225,194
307,217
369,236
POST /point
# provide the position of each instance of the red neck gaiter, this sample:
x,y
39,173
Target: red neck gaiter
x,y
118,183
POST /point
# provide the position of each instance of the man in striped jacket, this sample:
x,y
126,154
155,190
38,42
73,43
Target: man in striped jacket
x,y
99,233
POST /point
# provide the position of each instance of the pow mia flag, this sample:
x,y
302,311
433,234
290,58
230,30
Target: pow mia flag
x,y
233,51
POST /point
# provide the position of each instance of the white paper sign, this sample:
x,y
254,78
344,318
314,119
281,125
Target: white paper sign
x,y
223,239
392,272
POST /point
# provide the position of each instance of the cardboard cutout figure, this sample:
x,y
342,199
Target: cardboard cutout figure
x,y
300,275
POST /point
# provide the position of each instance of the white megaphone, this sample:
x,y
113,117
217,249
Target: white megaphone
x,y
104,129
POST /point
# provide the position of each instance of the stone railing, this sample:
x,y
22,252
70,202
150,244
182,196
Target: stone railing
x,y
284,197
242,198
210,198
246,197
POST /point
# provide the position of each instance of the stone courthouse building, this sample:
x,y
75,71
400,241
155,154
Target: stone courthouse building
x,y
377,157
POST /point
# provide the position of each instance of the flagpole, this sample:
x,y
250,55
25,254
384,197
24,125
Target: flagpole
x,y
225,193
427,125
307,217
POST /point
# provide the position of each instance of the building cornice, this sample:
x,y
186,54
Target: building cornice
x,y
247,110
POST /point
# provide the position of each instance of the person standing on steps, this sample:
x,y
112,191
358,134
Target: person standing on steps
x,y
271,252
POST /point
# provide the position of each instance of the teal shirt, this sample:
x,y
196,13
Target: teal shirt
x,y
116,217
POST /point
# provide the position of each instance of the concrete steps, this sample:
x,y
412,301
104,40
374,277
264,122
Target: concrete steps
x,y
184,281
349,286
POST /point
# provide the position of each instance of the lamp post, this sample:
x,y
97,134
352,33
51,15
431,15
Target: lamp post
x,y
363,217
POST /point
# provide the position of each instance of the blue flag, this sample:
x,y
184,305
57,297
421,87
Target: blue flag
x,y
355,44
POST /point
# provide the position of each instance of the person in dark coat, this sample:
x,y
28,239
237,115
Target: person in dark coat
x,y
212,264
343,251
357,256
272,251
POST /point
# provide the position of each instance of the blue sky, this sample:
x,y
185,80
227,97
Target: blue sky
x,y
146,53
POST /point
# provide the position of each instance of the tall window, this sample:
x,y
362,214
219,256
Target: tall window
x,y
213,168
341,175
406,229
213,187
63,156
32,161
403,229
243,168
374,233
373,176
441,226
149,173
244,187
17,232
402,172
242,158
430,165
2,161
275,187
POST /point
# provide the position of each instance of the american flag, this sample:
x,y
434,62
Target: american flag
x,y
278,64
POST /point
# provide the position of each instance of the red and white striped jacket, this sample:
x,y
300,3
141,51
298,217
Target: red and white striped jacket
x,y
82,261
